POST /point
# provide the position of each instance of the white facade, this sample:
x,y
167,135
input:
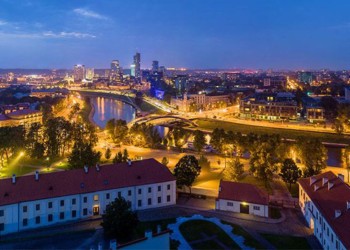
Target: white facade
x,y
45,212
242,207
316,221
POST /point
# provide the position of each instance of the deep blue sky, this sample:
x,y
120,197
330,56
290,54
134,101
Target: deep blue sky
x,y
279,34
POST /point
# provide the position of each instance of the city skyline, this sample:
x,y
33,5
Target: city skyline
x,y
191,34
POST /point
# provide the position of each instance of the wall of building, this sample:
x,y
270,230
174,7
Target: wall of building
x,y
45,212
234,206
315,220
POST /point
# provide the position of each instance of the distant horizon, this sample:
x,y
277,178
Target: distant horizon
x,y
250,34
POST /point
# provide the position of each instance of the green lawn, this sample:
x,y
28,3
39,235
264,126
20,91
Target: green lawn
x,y
200,229
211,124
287,242
248,239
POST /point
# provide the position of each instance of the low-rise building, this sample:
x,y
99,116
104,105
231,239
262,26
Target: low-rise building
x,y
325,203
24,117
315,114
29,202
242,198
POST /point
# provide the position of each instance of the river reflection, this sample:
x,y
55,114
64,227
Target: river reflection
x,y
108,108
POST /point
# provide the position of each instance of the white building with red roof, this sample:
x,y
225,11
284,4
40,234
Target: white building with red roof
x,y
242,198
38,200
325,202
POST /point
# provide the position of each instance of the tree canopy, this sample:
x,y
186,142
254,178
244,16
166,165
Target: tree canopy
x,y
186,171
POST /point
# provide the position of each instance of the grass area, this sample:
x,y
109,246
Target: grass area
x,y
255,181
211,124
248,239
274,213
287,242
200,229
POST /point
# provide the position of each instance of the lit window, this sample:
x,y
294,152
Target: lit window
x,y
95,197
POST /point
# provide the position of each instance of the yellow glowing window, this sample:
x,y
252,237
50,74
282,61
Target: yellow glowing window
x,y
95,197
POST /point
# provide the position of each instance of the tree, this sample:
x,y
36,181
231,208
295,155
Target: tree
x,y
38,150
83,155
313,155
117,129
179,136
217,139
125,155
199,140
108,153
119,221
234,170
186,171
118,158
265,156
290,172
165,161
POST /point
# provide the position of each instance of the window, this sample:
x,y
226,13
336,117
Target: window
x,y
168,186
129,192
168,198
74,201
62,216
159,188
139,203
149,190
140,191
2,226
1,213
49,205
25,222
256,208
37,207
61,203
159,199
107,196
25,209
37,220
96,197
49,218
74,213
85,199
149,201
85,211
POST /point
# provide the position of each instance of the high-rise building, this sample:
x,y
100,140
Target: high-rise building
x,y
79,72
133,70
155,66
89,74
116,71
137,63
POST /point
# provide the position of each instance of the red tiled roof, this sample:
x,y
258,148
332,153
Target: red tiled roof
x,y
71,182
242,192
327,201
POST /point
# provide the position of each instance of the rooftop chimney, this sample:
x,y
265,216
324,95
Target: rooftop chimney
x,y
312,180
129,162
13,179
330,185
341,176
98,167
337,213
324,181
159,229
316,187
148,234
86,169
347,205
37,175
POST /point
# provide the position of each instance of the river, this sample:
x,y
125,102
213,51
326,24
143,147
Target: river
x,y
108,108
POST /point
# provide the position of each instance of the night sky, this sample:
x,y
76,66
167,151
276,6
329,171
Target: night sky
x,y
253,34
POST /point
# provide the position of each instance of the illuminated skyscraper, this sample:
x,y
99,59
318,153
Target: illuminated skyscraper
x,y
79,72
116,71
132,70
137,63
155,66
89,74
